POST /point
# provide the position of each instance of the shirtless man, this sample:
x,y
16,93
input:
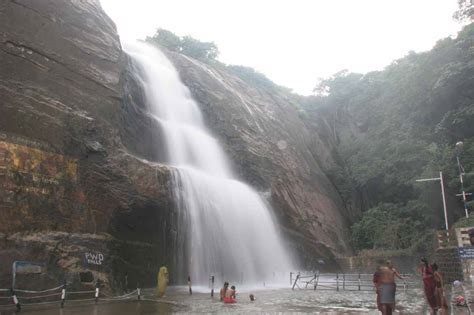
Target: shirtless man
x,y
386,287
224,290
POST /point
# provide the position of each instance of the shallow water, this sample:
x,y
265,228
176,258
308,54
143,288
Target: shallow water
x,y
285,300
303,301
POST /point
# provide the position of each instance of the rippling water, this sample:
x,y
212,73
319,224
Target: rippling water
x,y
304,301
410,301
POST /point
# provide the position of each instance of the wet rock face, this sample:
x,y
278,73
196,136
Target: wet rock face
x,y
65,161
272,150
76,145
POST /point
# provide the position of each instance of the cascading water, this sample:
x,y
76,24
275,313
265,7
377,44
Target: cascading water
x,y
230,230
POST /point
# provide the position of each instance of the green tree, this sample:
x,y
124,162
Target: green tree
x,y
166,39
391,226
199,50
465,11
187,45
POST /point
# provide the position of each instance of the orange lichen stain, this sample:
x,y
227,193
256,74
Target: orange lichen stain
x,y
44,167
81,197
72,168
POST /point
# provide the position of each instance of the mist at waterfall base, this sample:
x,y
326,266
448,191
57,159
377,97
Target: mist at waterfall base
x,y
226,229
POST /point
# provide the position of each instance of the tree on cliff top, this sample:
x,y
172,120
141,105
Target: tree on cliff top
x,y
208,52
465,11
187,45
197,49
166,39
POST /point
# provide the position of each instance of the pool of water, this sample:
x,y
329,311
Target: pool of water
x,y
177,300
301,301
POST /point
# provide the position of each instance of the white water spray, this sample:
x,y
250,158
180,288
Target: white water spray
x,y
230,230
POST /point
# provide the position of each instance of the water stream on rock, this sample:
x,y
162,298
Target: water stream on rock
x,y
230,231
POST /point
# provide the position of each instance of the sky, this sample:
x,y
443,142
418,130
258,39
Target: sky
x,y
295,42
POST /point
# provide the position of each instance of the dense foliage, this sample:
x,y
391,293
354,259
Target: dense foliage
x,y
187,45
465,11
391,226
391,127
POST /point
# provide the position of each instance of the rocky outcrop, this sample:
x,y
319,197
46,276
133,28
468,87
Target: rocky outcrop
x,y
65,173
76,147
272,150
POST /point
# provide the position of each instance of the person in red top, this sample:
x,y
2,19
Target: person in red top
x,y
429,284
441,303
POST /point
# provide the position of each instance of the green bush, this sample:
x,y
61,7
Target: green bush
x,y
391,227
187,45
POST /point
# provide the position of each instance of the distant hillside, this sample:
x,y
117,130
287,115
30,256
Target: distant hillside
x,y
390,127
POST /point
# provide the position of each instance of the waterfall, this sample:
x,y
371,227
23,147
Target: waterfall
x,y
230,231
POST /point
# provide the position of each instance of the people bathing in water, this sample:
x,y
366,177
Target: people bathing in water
x,y
384,282
224,290
230,295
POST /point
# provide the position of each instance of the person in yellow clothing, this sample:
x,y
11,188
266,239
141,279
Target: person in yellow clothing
x,y
162,281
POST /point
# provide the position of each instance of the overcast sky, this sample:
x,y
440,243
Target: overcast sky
x,y
295,42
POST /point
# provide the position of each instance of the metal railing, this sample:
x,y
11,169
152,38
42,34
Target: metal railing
x,y
340,281
59,295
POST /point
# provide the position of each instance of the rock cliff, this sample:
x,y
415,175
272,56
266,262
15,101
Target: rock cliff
x,y
68,184
79,171
272,150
